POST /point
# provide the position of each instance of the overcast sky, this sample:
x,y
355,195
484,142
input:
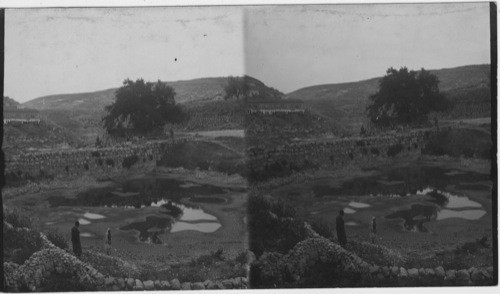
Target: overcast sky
x,y
293,47
55,51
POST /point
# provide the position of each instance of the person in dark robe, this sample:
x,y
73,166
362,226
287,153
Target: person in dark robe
x,y
339,221
107,241
75,240
373,232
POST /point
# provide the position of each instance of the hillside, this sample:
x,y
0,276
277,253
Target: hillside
x,y
191,90
202,98
226,114
9,102
345,103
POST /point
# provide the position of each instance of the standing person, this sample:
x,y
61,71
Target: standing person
x,y
75,240
373,233
339,221
107,241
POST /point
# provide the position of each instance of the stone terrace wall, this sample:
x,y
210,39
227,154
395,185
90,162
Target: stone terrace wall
x,y
300,262
338,153
35,275
95,161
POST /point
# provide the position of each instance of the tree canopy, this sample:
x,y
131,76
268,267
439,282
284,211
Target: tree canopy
x,y
405,97
142,107
236,87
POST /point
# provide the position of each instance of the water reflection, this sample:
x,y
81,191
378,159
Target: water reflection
x,y
349,210
473,214
137,193
415,217
200,227
83,221
401,181
452,201
358,204
179,218
93,215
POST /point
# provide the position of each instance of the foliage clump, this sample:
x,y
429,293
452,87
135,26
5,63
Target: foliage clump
x,y
21,239
405,97
57,239
141,108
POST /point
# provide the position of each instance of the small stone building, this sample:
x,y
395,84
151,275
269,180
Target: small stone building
x,y
268,106
21,115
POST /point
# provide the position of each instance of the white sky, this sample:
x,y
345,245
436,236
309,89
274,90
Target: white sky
x,y
291,47
54,51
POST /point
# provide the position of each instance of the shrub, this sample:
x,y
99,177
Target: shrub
x,y
130,160
17,219
323,228
273,226
20,245
57,239
394,150
110,162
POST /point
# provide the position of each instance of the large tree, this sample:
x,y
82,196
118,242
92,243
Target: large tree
x,y
142,107
236,87
405,97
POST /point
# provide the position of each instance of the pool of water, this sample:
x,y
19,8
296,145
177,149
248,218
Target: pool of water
x,y
162,194
470,214
91,215
137,193
425,184
447,205
349,210
401,181
84,222
358,204
178,217
208,227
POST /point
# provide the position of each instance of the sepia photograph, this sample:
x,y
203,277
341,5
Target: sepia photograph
x,y
213,147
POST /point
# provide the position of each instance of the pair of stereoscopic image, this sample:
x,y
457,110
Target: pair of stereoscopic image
x,y
249,147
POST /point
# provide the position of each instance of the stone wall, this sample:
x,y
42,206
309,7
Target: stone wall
x,y
337,153
94,161
300,263
36,275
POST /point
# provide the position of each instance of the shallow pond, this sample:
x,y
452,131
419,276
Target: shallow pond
x,y
402,181
162,194
137,193
422,190
178,217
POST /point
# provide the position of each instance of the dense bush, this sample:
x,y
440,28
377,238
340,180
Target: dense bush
x,y
394,150
273,226
204,156
323,228
17,218
470,143
20,245
57,239
129,161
